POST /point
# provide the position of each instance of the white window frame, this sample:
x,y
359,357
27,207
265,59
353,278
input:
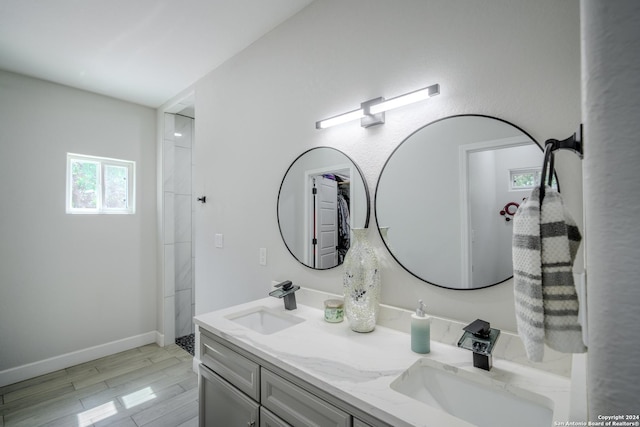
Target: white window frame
x,y
101,162
535,171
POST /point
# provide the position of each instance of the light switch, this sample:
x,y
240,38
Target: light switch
x,y
219,240
263,256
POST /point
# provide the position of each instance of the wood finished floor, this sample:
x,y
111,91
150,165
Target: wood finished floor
x,y
145,386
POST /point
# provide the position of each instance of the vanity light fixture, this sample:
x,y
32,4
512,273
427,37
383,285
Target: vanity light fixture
x,y
371,112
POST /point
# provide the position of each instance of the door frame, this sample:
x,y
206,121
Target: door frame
x,y
308,203
465,219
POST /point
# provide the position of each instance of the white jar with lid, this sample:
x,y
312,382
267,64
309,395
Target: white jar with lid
x,y
333,310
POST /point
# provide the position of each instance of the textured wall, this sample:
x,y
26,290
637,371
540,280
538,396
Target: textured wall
x,y
517,60
611,108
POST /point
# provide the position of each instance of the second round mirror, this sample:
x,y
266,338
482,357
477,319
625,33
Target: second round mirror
x,y
446,195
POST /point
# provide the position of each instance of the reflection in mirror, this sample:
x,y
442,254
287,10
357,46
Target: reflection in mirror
x,y
446,196
323,194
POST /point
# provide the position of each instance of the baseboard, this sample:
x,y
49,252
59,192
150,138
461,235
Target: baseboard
x,y
159,339
52,364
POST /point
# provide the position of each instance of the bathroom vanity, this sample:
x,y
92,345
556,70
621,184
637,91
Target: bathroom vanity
x,y
238,388
262,365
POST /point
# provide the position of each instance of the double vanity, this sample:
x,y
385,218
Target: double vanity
x,y
273,362
262,365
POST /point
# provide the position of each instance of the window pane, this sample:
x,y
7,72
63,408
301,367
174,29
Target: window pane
x,y
524,180
115,187
84,183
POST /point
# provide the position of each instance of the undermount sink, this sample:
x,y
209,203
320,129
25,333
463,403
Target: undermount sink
x,y
264,320
475,398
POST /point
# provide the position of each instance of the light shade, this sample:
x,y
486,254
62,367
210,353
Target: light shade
x,y
339,119
371,112
406,99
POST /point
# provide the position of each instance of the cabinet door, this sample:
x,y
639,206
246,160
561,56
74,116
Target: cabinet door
x,y
267,419
233,367
222,405
358,423
298,407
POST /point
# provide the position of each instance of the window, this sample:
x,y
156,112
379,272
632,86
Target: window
x,y
526,179
98,185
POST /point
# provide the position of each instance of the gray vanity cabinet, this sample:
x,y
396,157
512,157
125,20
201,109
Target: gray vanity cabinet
x,y
297,406
243,373
268,419
238,388
225,405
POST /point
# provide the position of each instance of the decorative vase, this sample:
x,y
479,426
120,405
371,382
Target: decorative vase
x,y
362,283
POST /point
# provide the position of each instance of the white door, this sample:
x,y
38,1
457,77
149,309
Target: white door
x,y
326,222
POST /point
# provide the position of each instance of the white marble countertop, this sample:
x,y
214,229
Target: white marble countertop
x,y
359,368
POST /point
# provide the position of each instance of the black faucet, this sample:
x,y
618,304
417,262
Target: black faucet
x,y
287,291
480,338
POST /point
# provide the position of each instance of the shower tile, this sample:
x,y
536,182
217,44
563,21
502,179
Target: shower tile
x,y
193,234
183,272
169,218
169,270
169,126
182,218
193,151
182,171
193,281
183,313
169,320
168,165
193,314
183,126
196,190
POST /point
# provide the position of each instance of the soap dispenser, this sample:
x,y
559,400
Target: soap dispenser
x,y
420,330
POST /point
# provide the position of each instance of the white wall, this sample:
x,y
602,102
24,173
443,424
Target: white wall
x,y
69,283
611,107
491,259
517,60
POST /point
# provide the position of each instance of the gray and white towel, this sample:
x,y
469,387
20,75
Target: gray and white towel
x,y
545,242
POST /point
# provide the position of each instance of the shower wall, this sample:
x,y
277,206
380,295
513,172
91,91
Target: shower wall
x,y
178,220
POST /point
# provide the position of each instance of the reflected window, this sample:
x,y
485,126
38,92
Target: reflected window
x,y
527,179
524,179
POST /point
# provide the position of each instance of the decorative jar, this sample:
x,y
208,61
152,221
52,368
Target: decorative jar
x,y
333,310
362,282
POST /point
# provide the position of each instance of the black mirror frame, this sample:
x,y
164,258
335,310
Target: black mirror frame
x,y
366,191
387,162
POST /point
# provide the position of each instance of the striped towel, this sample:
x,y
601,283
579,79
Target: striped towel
x,y
545,242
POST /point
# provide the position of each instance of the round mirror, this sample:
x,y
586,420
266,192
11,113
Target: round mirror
x,y
322,195
445,199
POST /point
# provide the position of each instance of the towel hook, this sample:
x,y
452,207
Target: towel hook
x,y
573,143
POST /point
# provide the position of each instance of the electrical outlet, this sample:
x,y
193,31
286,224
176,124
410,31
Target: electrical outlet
x,y
219,240
263,256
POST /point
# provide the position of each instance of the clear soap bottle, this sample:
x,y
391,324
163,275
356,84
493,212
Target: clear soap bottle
x,y
420,330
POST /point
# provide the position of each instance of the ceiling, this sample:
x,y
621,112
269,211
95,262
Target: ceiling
x,y
142,51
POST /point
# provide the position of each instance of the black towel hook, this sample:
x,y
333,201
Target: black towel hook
x,y
573,143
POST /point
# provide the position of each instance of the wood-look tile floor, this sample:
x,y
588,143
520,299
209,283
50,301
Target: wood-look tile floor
x,y
145,386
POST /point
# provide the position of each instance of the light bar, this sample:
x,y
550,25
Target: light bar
x,y
371,112
342,118
406,99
